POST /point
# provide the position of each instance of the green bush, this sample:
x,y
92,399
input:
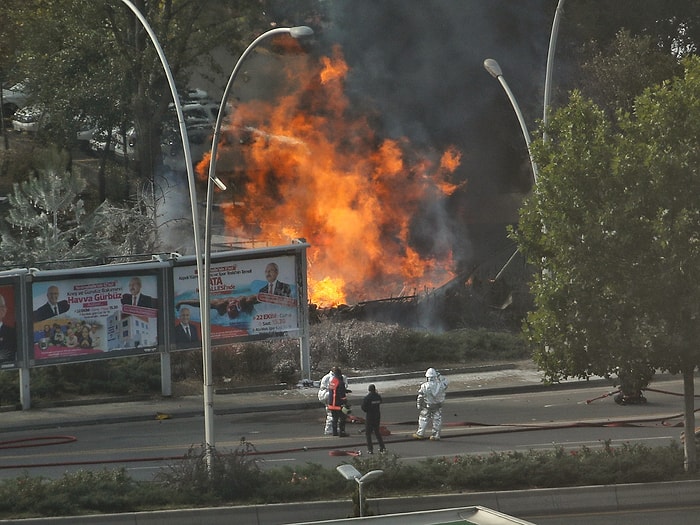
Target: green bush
x,y
286,371
203,478
236,478
355,345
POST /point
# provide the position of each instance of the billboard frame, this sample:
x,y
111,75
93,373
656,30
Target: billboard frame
x,y
105,308
229,279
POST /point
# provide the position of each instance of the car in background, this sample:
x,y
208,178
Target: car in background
x,y
117,145
13,98
32,118
200,112
28,119
86,128
193,95
198,135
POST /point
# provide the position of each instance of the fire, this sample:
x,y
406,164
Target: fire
x,y
327,290
308,165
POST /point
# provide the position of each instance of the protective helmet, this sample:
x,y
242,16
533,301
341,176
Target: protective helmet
x,y
431,372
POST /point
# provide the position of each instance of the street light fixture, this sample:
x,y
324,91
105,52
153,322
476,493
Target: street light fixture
x,y
550,65
203,259
202,283
495,70
205,313
349,472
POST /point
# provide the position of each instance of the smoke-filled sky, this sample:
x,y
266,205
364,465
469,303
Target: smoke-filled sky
x,y
421,64
408,97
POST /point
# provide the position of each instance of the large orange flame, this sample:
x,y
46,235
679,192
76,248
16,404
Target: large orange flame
x,y
307,166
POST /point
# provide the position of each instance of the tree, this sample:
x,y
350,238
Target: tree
x,y
95,58
48,222
614,228
613,77
594,36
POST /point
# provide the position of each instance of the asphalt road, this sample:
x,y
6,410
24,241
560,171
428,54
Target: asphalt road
x,y
293,437
45,443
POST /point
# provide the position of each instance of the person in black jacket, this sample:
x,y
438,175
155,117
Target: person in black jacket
x,y
370,406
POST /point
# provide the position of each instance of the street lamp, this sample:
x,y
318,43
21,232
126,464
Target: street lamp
x,y
495,70
202,282
205,272
492,67
349,472
203,262
550,65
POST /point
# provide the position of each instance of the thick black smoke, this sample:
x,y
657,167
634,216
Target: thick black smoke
x,y
419,66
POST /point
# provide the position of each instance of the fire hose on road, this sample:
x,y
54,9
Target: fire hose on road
x,y
674,420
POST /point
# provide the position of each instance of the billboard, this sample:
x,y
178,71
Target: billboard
x,y
10,352
249,298
99,315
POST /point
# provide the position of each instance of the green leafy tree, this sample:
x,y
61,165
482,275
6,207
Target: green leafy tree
x,y
614,228
594,36
614,76
91,57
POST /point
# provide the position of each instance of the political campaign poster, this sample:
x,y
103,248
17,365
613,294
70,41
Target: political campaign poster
x,y
95,316
248,299
10,353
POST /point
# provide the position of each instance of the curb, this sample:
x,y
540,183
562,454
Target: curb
x,y
309,404
525,504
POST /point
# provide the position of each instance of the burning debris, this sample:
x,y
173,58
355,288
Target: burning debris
x,y
312,166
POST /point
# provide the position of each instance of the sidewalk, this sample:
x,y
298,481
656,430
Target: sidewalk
x,y
468,381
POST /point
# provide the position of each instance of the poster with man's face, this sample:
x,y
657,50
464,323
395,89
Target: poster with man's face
x,y
8,329
89,317
250,298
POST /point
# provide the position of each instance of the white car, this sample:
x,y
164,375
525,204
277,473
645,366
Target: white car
x,y
28,119
86,129
13,98
196,113
194,95
98,143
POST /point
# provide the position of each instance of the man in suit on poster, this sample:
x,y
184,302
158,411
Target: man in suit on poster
x,y
52,307
274,286
135,297
185,333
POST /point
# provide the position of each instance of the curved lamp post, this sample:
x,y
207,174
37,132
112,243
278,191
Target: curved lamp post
x,y
349,472
492,67
202,282
495,70
203,258
205,312
550,65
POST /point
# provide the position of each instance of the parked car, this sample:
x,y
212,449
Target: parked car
x,y
13,98
117,147
199,136
196,113
28,119
85,130
193,95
